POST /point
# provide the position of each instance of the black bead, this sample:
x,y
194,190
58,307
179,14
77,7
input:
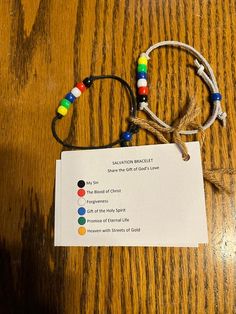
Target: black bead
x,y
142,98
59,116
88,82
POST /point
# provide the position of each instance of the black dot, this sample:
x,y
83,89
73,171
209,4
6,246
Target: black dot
x,y
81,183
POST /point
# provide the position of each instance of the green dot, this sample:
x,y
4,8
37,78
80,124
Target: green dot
x,y
142,68
65,103
81,220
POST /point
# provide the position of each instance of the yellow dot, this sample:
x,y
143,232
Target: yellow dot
x,y
142,60
82,231
62,110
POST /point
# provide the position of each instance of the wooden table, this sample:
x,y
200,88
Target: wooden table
x,y
46,46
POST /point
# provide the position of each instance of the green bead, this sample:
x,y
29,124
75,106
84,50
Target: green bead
x,y
142,68
65,103
81,220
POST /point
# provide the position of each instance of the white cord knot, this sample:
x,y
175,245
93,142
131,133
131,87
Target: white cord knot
x,y
200,67
143,105
143,54
222,116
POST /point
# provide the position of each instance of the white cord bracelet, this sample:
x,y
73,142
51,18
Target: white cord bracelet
x,y
209,78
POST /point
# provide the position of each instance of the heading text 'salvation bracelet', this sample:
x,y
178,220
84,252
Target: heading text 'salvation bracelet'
x,y
208,76
76,92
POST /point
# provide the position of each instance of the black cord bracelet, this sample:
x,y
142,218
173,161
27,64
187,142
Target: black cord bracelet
x,y
76,92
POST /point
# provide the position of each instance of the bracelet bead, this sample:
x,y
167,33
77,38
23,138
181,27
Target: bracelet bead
x,y
142,68
141,75
76,92
88,82
215,96
70,97
127,136
81,86
142,98
62,110
141,82
143,90
65,103
142,60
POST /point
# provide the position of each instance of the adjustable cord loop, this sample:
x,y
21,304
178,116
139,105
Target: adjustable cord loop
x,y
204,70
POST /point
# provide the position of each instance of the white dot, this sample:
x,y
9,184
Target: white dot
x,y
81,201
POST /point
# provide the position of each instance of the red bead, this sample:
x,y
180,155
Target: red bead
x,y
81,86
143,90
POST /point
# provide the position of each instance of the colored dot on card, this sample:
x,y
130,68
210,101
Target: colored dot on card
x,y
81,201
81,183
82,231
81,211
81,220
81,192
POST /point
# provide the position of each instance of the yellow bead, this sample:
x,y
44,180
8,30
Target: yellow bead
x,y
62,110
142,60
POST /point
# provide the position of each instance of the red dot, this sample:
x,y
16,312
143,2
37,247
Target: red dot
x,y
81,192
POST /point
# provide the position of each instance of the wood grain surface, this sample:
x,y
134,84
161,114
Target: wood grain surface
x,y
46,46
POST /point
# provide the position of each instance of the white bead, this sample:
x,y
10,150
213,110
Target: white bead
x,y
76,92
142,82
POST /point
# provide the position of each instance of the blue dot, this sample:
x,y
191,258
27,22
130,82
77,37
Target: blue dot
x,y
81,211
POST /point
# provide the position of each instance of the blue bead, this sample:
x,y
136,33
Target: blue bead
x,y
216,96
141,75
70,97
127,136
81,211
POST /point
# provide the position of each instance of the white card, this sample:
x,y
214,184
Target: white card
x,y
57,220
134,196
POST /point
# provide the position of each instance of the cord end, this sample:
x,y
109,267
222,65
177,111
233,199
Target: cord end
x,y
222,116
199,66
